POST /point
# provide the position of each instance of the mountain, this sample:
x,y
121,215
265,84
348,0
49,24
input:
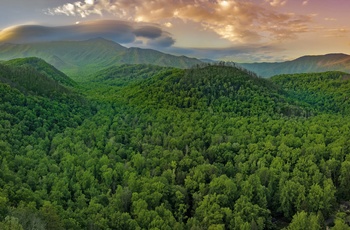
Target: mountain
x,y
217,88
305,64
327,91
35,76
43,68
211,147
127,73
84,57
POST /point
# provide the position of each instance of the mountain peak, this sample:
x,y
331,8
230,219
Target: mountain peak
x,y
105,42
34,76
78,58
304,64
42,67
325,56
101,39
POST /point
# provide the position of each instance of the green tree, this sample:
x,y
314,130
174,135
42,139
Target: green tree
x,y
11,223
304,221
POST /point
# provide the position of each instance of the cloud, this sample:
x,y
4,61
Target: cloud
x,y
168,24
305,2
118,31
338,32
239,53
330,19
277,2
161,42
235,20
148,32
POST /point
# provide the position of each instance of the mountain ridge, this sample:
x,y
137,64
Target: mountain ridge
x,y
153,143
84,57
304,64
43,68
33,76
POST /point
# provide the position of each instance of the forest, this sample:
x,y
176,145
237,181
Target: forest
x,y
148,147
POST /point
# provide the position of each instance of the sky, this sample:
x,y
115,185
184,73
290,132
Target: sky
x,y
229,30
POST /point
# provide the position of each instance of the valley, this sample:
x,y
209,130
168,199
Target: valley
x,y
174,115
141,146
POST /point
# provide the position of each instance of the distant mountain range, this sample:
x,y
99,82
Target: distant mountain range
x,y
305,64
81,57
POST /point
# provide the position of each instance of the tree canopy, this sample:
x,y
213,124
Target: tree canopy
x,y
145,147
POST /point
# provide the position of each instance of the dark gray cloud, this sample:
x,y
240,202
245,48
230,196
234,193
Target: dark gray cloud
x,y
118,31
148,32
162,41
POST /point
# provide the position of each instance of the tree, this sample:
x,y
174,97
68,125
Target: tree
x,y
248,214
344,179
292,198
340,225
304,221
51,217
11,223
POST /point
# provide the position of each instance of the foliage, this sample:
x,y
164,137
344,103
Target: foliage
x,y
43,68
328,92
205,148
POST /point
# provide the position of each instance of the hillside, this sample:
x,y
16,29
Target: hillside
x,y
306,64
328,91
217,88
211,147
34,76
43,68
126,74
84,57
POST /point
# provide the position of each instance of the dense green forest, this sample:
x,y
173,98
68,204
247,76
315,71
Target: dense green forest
x,y
147,147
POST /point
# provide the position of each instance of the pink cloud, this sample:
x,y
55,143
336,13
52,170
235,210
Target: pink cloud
x,y
234,20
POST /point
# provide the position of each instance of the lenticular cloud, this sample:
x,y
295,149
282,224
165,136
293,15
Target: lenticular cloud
x,y
115,30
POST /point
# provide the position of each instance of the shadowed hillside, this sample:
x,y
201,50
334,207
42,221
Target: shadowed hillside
x,y
29,80
43,68
328,91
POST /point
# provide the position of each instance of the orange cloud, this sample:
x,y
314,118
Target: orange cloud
x,y
277,2
338,32
235,20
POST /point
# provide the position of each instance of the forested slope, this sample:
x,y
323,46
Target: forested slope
x,y
43,68
205,148
34,76
215,89
328,91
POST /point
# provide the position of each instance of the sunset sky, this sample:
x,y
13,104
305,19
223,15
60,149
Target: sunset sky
x,y
231,30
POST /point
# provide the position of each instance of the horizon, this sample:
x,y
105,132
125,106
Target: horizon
x,y
223,30
179,55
